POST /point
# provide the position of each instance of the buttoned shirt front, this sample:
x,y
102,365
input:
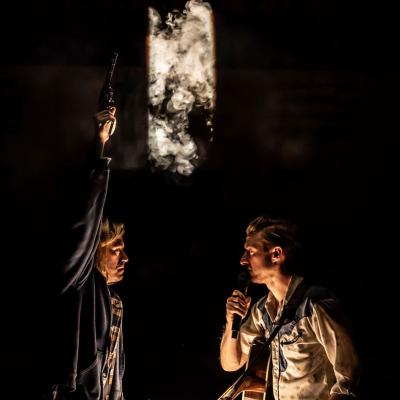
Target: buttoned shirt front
x,y
313,356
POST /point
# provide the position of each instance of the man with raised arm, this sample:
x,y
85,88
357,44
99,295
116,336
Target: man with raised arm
x,y
88,354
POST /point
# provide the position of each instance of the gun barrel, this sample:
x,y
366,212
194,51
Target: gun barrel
x,y
106,97
112,67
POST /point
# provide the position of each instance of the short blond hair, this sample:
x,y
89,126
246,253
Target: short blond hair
x,y
110,232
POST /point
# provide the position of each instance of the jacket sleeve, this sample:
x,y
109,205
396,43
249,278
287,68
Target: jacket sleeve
x,y
85,232
332,332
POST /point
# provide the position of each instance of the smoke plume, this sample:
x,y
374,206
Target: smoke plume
x,y
181,77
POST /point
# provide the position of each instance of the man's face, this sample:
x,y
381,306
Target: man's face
x,y
257,261
114,261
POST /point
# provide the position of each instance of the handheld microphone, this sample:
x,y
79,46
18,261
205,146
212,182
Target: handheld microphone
x,y
242,285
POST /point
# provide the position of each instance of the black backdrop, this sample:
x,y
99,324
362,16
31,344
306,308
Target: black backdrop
x,y
305,127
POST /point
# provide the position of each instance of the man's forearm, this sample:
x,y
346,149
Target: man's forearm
x,y
231,355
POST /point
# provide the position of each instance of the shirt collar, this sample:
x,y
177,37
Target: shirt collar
x,y
271,304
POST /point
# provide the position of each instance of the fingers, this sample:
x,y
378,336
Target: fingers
x,y
239,294
105,115
238,303
106,123
112,110
106,112
109,125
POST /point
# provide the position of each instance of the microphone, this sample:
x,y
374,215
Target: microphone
x,y
242,284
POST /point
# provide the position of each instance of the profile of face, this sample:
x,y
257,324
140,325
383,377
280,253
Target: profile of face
x,y
114,260
258,261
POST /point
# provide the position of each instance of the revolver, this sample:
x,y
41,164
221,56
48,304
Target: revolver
x,y
106,98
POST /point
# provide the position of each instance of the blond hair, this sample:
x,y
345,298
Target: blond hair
x,y
110,232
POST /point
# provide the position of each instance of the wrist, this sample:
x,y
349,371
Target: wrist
x,y
228,328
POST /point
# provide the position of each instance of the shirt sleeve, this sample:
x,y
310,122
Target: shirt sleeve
x,y
334,336
251,328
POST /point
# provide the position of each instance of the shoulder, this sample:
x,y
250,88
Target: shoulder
x,y
314,296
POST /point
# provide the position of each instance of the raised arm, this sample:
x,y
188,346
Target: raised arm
x,y
84,235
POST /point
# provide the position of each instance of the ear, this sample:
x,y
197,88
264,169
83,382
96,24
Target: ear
x,y
277,254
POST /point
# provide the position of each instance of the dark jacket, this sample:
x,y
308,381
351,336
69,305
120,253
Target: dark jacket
x,y
85,306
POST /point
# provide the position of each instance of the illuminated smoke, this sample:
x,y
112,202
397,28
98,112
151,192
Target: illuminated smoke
x,y
181,76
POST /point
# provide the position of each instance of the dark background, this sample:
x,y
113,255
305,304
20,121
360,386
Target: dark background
x,y
306,128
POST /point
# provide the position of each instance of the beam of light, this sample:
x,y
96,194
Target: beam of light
x,y
181,73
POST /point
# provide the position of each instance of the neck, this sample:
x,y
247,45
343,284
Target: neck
x,y
278,284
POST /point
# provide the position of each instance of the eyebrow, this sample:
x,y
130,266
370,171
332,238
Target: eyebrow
x,y
249,244
118,246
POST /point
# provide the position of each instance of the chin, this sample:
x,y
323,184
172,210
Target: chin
x,y
255,280
114,281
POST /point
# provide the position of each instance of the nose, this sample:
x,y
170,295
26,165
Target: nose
x,y
124,257
244,259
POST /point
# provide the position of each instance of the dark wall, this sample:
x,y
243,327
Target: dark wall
x,y
305,127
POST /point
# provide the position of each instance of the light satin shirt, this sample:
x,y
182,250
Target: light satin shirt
x,y
313,356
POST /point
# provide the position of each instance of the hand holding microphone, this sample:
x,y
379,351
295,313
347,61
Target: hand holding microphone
x,y
238,304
